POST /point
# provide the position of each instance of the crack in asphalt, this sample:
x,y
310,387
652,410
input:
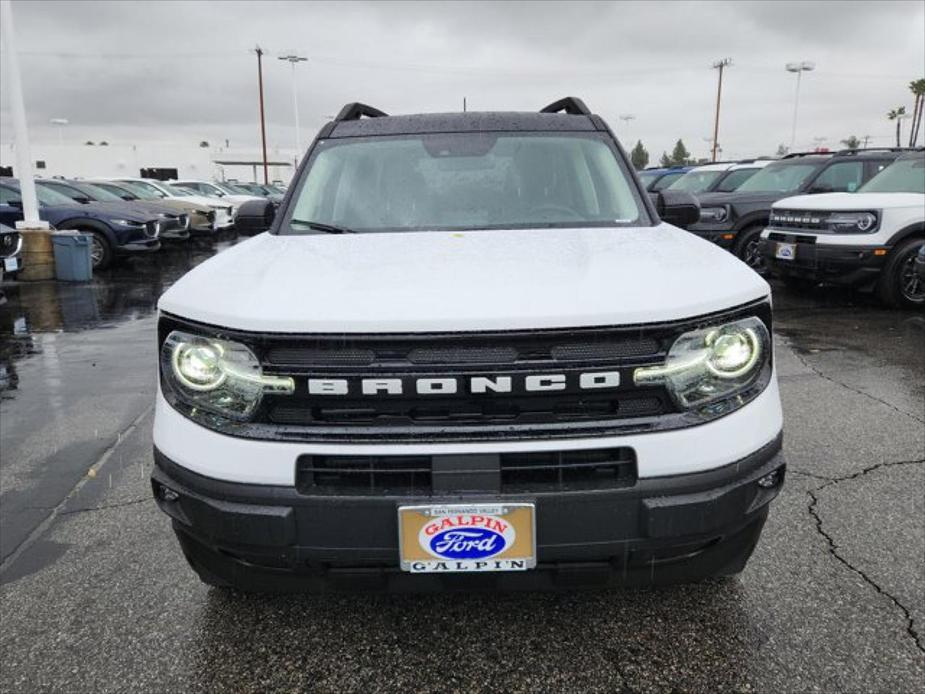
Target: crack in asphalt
x,y
828,378
107,507
833,546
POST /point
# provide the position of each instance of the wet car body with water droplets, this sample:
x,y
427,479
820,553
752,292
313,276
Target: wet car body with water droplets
x,y
470,352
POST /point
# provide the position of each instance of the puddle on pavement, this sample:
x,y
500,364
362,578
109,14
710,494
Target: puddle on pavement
x,y
127,292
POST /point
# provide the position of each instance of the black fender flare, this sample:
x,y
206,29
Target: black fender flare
x,y
909,231
752,219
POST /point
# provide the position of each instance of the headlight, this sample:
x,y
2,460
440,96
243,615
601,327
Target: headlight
x,y
218,376
127,223
712,364
848,222
714,214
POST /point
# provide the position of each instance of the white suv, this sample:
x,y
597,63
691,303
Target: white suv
x,y
868,238
471,350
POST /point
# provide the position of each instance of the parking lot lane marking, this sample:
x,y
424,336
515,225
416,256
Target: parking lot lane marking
x,y
40,529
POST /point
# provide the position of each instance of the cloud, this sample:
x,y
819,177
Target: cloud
x,y
171,71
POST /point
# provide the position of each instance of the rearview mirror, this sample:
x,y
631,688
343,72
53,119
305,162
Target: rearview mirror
x,y
677,207
255,216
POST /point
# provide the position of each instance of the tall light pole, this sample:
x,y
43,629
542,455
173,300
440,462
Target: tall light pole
x,y
294,60
263,125
798,68
60,122
719,65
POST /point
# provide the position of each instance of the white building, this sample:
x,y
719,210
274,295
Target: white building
x,y
154,159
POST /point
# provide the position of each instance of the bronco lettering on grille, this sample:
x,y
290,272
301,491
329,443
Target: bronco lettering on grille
x,y
595,380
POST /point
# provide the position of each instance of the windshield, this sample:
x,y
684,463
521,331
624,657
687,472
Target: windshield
x,y
143,190
95,192
47,196
120,190
734,179
695,181
778,178
464,181
902,176
230,189
177,191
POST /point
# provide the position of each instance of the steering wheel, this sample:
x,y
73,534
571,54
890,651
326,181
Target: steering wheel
x,y
553,207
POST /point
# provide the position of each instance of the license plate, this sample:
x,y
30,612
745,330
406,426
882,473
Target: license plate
x,y
11,264
467,538
786,251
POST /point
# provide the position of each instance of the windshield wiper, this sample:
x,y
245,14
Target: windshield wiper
x,y
319,226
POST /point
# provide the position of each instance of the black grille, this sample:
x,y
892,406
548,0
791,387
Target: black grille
x,y
798,219
152,229
605,468
9,243
330,373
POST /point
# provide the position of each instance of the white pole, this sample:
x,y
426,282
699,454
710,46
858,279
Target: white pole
x,y
30,206
295,106
796,106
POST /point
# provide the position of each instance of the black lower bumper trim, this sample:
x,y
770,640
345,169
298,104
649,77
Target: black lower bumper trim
x,y
264,535
844,265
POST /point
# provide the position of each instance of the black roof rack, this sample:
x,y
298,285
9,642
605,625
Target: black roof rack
x,y
356,110
794,155
861,150
570,104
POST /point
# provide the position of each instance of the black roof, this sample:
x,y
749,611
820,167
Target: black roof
x,y
470,121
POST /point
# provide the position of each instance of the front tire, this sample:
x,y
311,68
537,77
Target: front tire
x,y
899,286
747,249
101,254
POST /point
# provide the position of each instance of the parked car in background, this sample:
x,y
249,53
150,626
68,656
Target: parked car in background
x,y
10,249
657,179
215,190
735,220
224,210
202,217
266,191
113,232
723,177
174,224
870,238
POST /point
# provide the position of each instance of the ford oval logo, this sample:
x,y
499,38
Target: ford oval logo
x,y
466,536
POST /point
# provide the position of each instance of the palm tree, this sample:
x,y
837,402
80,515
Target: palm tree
x,y
917,87
897,114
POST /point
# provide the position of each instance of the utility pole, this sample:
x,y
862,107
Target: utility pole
x,y
866,140
719,65
263,126
295,60
798,68
464,104
626,118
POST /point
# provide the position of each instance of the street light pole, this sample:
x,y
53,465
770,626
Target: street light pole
x,y
60,122
719,65
798,68
263,126
293,60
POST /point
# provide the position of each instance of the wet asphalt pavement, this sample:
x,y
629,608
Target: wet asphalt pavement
x,y
96,596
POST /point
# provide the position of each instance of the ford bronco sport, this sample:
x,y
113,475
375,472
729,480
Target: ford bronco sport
x,y
735,220
470,353
867,239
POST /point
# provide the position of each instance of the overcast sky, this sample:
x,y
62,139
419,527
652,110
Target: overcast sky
x,y
184,71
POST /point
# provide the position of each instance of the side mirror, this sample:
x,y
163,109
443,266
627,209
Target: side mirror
x,y
677,207
255,216
822,188
15,203
83,200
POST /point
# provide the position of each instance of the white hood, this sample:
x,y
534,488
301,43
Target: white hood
x,y
851,201
481,280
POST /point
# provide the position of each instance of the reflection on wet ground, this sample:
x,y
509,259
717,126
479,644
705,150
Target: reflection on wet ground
x,y
127,292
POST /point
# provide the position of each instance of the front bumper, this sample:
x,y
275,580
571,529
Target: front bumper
x,y
175,235
662,529
146,246
843,265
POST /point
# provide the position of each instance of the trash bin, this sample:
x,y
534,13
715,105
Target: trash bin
x,y
72,256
